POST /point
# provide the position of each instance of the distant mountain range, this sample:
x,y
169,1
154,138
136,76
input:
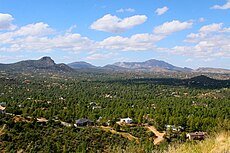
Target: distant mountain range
x,y
81,65
153,65
45,63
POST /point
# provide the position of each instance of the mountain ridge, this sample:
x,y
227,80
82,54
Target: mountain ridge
x,y
80,64
152,65
44,63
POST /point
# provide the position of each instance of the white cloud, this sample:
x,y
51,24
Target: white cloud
x,y
71,28
137,42
161,11
6,22
109,23
207,31
171,27
211,41
4,58
122,10
40,37
201,19
222,7
99,56
215,27
37,29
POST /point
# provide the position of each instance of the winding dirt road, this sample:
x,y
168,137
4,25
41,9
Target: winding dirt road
x,y
160,136
124,134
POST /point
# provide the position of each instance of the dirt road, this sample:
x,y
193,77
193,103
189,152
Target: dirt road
x,y
2,130
160,136
124,134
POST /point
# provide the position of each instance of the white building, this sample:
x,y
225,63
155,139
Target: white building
x,y
126,120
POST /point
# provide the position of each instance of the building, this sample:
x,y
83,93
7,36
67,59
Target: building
x,y
93,104
83,122
96,107
197,135
174,128
2,109
126,120
3,103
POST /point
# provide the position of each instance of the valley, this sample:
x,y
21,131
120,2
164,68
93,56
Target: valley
x,y
42,105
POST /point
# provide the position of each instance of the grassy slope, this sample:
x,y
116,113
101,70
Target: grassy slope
x,y
218,144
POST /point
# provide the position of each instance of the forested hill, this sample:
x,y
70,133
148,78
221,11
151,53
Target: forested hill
x,y
200,81
45,64
152,65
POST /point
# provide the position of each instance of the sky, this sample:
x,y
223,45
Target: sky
x,y
193,33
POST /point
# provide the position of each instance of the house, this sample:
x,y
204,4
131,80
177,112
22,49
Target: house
x,y
93,104
96,107
174,128
83,122
197,135
126,120
42,120
2,109
66,124
3,103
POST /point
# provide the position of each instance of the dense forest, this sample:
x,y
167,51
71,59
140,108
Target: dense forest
x,y
196,104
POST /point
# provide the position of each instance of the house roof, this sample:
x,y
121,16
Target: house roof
x,y
198,133
2,103
2,108
126,118
82,120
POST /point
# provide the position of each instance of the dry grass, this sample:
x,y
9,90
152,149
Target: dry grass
x,y
218,144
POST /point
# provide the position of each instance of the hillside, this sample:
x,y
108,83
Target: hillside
x,y
44,64
81,65
151,65
212,70
217,144
220,143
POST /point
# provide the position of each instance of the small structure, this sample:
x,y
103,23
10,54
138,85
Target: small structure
x,y
66,124
83,122
96,107
93,104
42,120
174,128
126,120
2,109
197,135
3,103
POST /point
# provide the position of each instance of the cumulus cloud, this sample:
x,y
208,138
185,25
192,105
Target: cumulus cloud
x,y
4,58
99,56
113,24
201,19
222,7
207,31
161,11
122,10
215,27
171,27
211,41
137,42
6,22
37,29
40,37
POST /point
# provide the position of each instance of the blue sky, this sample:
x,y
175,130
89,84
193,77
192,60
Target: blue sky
x,y
184,33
